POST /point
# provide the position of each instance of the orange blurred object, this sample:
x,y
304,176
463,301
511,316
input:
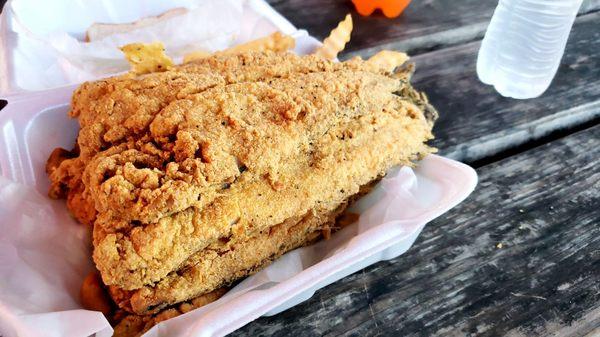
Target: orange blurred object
x,y
390,8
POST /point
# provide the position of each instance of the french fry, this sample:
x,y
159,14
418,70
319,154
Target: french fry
x,y
147,57
387,60
276,42
337,39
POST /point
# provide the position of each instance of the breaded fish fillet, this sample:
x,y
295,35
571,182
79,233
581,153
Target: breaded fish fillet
x,y
224,262
171,165
285,148
116,112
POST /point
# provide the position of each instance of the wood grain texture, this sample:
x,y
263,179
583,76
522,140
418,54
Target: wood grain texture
x,y
541,205
425,25
476,122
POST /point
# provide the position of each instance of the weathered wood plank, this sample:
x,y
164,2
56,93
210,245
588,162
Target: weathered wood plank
x,y
476,122
541,205
425,25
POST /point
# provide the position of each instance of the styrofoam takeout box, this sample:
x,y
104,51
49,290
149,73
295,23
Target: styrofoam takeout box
x,y
34,123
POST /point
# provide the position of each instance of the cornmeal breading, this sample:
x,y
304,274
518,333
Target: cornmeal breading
x,y
289,167
136,325
225,261
197,176
115,113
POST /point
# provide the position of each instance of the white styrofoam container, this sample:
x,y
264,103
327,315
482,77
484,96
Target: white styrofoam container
x,y
34,123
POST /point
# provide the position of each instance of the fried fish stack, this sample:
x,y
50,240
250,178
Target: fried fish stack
x,y
200,175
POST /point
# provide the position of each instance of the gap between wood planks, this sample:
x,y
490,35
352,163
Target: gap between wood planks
x,y
552,135
477,126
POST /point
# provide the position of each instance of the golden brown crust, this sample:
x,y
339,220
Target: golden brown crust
x,y
228,146
295,170
225,261
135,325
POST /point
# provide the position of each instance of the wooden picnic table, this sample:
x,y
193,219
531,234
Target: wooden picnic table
x,y
520,256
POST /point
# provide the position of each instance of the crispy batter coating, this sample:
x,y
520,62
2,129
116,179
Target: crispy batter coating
x,y
290,168
230,259
135,325
114,114
173,163
226,261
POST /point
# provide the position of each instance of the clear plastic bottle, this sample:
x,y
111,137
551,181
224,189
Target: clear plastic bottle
x,y
523,45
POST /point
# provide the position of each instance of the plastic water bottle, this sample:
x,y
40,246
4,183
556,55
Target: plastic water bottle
x,y
523,45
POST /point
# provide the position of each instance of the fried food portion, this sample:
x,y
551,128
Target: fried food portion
x,y
214,152
289,148
147,58
230,259
206,140
135,325
115,113
387,60
226,261
93,295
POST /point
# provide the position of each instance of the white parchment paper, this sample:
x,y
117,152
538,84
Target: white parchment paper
x,y
43,43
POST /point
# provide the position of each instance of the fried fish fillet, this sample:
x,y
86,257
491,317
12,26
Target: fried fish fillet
x,y
214,154
224,262
115,113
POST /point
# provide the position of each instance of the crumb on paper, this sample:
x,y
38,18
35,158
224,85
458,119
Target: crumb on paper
x,y
147,58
